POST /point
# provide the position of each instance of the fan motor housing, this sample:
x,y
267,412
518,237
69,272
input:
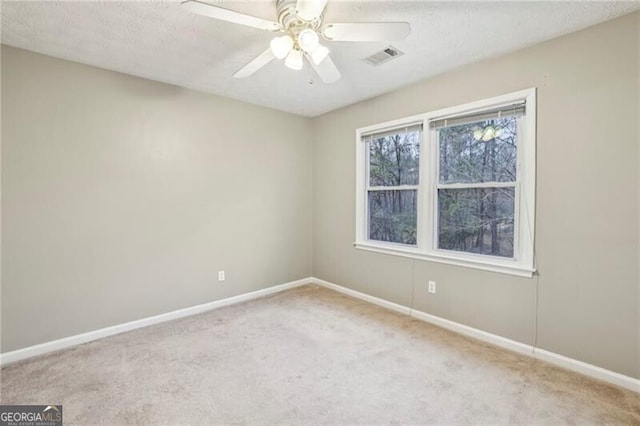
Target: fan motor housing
x,y
289,19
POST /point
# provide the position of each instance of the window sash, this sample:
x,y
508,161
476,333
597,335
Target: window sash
x,y
516,223
436,185
367,138
412,188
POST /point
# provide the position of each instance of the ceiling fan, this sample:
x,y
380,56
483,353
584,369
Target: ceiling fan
x,y
301,24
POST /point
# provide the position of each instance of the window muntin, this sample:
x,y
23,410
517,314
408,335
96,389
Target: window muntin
x,y
458,177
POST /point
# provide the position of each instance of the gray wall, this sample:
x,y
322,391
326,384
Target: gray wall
x,y
584,303
123,197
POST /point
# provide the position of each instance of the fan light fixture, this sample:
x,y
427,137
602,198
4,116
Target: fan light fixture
x,y
281,46
294,60
307,42
300,24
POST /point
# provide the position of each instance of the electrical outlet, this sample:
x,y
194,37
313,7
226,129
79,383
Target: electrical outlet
x,y
432,287
220,275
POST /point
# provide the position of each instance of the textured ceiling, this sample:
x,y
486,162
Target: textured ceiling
x,y
162,41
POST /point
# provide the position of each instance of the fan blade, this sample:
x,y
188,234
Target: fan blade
x,y
367,31
309,10
205,9
260,61
326,70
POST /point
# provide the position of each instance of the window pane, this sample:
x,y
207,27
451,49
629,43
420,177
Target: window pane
x,y
484,151
476,220
394,159
392,216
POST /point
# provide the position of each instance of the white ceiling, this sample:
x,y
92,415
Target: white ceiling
x,y
162,41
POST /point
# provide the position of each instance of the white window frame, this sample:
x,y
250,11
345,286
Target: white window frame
x,y
522,264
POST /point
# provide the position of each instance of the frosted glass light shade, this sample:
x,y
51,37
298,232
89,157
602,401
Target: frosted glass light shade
x,y
294,60
308,40
281,46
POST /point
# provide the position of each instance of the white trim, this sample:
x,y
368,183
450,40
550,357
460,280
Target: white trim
x,y
362,296
475,106
527,183
494,265
494,339
362,211
78,339
502,342
587,369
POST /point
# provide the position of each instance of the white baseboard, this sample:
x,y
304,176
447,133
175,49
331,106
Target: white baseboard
x,y
588,369
371,299
541,354
54,345
521,348
494,339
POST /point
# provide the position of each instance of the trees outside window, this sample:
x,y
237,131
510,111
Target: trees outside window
x,y
476,186
394,164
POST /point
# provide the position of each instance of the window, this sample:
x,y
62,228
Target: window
x,y
392,184
454,186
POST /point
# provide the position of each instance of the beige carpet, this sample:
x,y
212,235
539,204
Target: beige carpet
x,y
308,356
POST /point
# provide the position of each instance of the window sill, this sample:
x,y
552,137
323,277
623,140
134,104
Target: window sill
x,y
398,250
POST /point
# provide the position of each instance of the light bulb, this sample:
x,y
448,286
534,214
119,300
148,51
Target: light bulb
x,y
319,54
281,46
294,60
308,40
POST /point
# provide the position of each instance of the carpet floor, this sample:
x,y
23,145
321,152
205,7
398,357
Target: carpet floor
x,y
307,356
